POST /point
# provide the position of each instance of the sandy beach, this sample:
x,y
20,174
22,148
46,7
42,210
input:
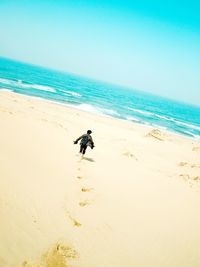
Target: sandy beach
x,y
132,201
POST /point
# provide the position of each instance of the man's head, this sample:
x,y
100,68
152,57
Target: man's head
x,y
89,132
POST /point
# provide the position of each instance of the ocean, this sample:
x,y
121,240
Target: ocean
x,y
100,98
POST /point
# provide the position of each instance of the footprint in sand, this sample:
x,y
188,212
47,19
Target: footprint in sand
x,y
7,111
60,125
190,178
129,155
185,176
84,203
195,166
196,178
26,264
80,177
84,189
74,221
59,255
196,148
186,164
183,164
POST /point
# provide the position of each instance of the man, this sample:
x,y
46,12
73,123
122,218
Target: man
x,y
86,140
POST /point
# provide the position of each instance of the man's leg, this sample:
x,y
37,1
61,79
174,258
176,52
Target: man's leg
x,y
84,149
81,148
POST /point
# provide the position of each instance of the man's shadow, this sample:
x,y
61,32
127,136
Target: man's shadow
x,y
88,159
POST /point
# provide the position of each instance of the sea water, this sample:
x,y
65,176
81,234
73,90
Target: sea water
x,y
99,97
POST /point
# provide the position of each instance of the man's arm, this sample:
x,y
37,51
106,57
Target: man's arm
x,y
76,141
92,142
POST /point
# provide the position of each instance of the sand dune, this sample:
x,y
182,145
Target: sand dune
x,y
128,202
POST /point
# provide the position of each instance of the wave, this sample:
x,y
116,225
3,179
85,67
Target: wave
x,y
110,112
131,118
74,94
196,137
36,86
188,125
70,93
43,88
89,108
97,110
148,113
141,111
6,81
166,118
22,84
187,133
5,89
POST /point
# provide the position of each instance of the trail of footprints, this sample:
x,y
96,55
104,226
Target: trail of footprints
x,y
195,168
81,203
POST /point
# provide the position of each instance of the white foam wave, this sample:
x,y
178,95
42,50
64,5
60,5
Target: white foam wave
x,y
5,89
188,133
108,111
196,137
188,125
164,117
97,110
131,118
6,81
37,87
67,92
141,111
43,88
89,108
73,93
148,113
21,84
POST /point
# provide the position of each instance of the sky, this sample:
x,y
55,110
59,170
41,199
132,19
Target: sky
x,y
152,45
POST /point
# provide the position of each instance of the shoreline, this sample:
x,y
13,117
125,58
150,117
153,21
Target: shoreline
x,y
148,126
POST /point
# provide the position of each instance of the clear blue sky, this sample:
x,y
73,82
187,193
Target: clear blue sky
x,y
149,45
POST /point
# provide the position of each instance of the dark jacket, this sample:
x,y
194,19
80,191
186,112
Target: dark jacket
x,y
86,139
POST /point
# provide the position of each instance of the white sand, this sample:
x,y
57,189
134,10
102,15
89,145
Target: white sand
x,y
132,202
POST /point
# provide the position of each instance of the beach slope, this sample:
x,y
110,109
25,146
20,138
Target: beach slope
x,y
131,201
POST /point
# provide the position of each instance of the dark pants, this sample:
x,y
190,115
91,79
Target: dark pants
x,y
83,148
